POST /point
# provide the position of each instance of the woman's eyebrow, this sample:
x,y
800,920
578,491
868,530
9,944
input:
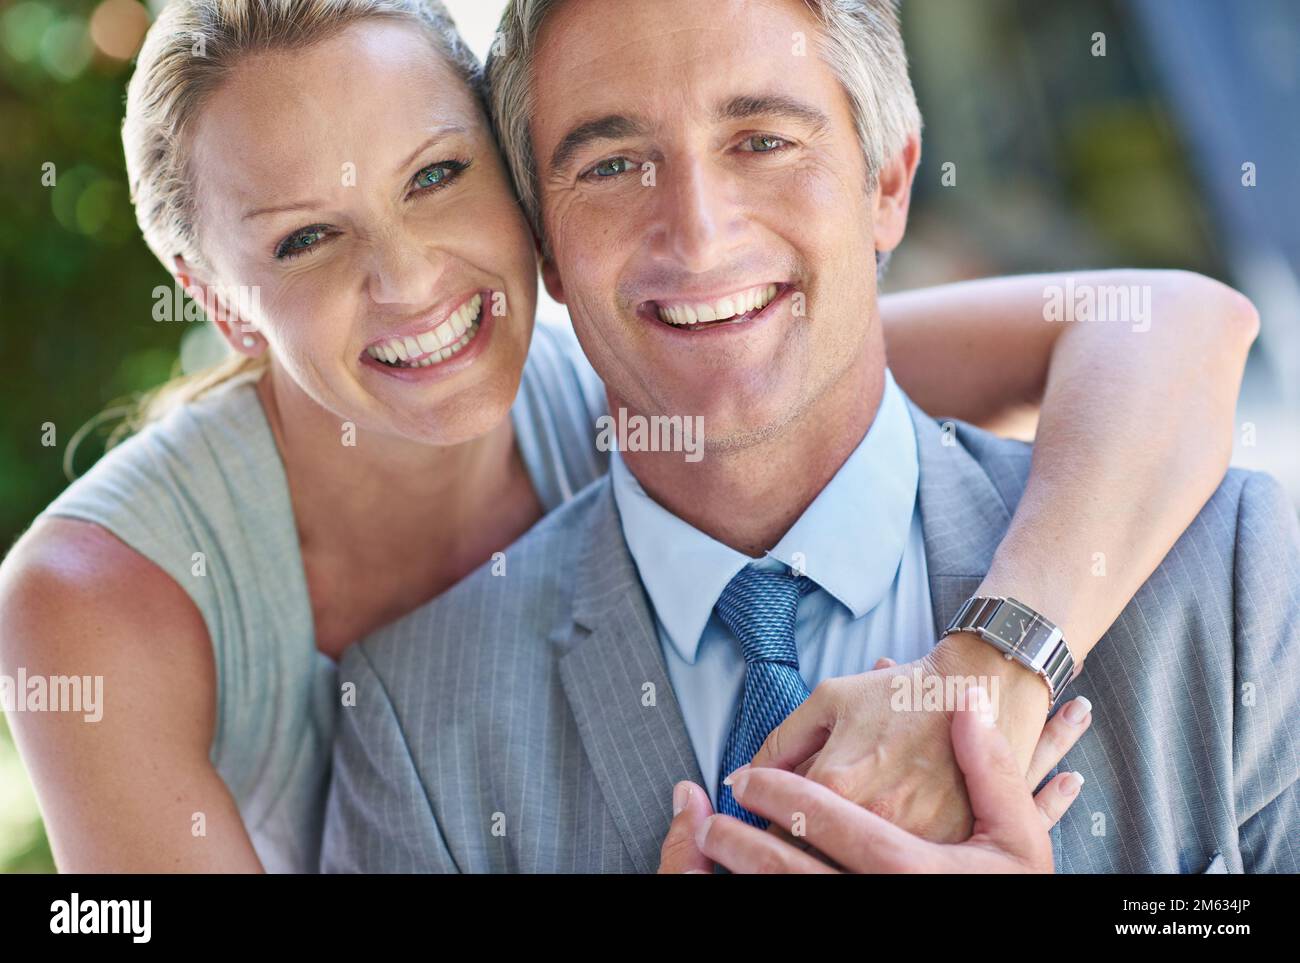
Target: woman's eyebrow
x,y
283,208
609,127
438,133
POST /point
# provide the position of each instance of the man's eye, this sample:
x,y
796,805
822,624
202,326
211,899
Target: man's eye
x,y
437,175
763,143
300,241
612,167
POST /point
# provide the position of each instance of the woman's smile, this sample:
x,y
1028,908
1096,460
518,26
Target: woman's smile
x,y
434,340
435,347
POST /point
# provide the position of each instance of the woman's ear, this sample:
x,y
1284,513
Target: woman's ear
x,y
551,278
222,308
894,194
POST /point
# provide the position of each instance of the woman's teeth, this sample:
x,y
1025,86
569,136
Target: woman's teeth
x,y
755,299
431,347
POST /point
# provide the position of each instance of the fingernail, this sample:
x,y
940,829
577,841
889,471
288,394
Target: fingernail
x,y
702,834
1071,786
681,796
1076,710
728,781
738,780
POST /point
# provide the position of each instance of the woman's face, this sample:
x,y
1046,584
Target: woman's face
x,y
352,207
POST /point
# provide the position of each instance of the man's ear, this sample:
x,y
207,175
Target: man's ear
x,y
237,331
551,278
894,194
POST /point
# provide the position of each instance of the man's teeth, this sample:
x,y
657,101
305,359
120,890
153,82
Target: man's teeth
x,y
439,344
755,299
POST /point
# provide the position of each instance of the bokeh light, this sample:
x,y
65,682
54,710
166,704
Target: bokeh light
x,y
23,25
117,27
66,48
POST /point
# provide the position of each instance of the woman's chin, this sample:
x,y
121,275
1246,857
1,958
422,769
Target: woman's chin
x,y
470,397
455,421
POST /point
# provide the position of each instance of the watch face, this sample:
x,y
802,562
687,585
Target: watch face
x,y
1012,624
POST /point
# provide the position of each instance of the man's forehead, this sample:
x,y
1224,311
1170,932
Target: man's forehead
x,y
655,68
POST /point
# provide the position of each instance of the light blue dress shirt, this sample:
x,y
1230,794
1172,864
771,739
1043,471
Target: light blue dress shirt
x,y
860,541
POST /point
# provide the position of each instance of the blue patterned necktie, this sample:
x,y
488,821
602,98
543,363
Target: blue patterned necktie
x,y
759,607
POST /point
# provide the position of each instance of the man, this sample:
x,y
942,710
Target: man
x,y
542,720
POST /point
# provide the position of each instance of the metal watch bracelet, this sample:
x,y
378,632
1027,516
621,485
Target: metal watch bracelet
x,y
1019,633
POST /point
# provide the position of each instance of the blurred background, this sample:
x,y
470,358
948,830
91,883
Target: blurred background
x,y
1084,133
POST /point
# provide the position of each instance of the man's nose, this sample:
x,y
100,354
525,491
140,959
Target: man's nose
x,y
402,270
697,217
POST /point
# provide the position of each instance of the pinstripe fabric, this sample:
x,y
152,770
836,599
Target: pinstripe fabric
x,y
523,722
1193,750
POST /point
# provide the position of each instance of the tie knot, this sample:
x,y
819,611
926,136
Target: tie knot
x,y
759,607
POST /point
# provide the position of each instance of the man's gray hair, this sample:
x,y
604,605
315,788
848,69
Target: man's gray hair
x,y
859,39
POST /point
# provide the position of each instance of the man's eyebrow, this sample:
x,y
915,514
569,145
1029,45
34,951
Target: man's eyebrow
x,y
608,127
773,105
438,134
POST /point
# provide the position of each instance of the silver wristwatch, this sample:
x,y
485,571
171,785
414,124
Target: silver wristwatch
x,y
1019,633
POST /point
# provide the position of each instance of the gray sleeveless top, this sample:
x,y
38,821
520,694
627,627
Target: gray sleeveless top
x,y
203,495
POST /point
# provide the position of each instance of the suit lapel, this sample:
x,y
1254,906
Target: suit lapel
x,y
963,518
615,679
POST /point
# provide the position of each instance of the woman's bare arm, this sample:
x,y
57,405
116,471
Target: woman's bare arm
x,y
1135,430
131,791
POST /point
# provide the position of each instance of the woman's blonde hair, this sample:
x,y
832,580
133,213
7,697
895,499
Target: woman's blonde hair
x,y
186,55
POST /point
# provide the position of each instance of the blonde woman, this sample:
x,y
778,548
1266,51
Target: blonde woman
x,y
389,418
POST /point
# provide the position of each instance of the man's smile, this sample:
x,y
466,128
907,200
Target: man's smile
x,y
735,308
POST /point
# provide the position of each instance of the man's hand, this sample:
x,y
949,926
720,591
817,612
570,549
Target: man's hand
x,y
1004,838
851,737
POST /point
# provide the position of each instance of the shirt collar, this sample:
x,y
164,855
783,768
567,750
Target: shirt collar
x,y
849,541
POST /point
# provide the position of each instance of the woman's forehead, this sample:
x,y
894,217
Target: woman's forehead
x,y
367,96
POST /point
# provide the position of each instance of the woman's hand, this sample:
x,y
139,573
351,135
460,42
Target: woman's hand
x,y
1010,830
882,739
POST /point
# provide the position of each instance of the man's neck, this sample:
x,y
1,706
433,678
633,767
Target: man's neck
x,y
748,498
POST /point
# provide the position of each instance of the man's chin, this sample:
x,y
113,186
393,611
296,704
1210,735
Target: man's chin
x,y
735,428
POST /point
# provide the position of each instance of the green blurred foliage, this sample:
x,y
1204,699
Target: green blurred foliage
x,y
23,846
76,283
76,280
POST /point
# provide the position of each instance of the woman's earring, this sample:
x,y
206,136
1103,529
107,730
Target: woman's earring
x,y
250,342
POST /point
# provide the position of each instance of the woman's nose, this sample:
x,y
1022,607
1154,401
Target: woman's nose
x,y
402,271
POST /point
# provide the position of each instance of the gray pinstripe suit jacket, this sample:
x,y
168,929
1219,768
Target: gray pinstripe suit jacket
x,y
504,726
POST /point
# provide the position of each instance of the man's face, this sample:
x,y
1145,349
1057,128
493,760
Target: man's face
x,y
695,160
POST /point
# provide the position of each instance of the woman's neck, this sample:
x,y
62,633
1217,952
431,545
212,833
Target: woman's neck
x,y
374,476
387,524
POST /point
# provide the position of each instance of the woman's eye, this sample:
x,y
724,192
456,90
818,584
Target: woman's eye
x,y
300,241
437,175
612,167
763,143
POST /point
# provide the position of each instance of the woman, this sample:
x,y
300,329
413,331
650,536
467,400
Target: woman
x,y
321,175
